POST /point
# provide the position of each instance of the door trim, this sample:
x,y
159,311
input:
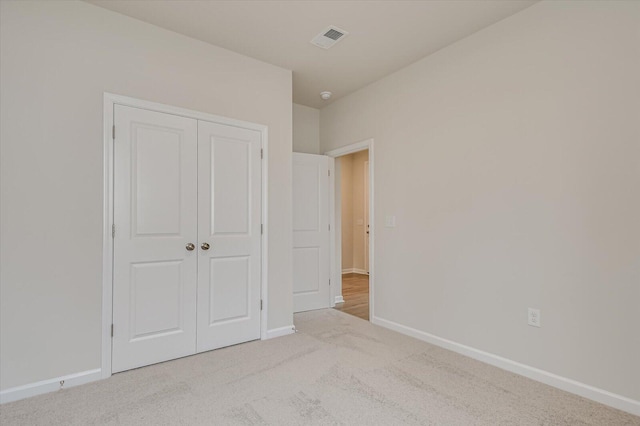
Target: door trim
x,y
366,208
336,237
109,102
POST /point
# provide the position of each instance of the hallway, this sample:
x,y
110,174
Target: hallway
x,y
355,290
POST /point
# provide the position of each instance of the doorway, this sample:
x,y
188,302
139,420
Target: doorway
x,y
353,236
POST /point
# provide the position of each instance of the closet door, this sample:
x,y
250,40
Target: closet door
x,y
155,218
229,235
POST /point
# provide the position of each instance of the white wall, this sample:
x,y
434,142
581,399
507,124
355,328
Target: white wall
x,y
57,59
306,129
511,160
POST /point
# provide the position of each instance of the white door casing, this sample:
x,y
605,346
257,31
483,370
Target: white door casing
x,y
336,238
366,216
154,282
311,264
229,221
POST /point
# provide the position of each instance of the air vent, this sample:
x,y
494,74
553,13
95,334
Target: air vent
x,y
330,36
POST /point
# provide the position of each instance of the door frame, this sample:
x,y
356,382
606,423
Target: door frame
x,y
367,231
109,102
336,220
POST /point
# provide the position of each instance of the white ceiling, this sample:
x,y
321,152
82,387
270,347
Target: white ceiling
x,y
384,36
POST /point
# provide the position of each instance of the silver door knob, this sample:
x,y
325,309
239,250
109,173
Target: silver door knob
x,y
190,246
205,246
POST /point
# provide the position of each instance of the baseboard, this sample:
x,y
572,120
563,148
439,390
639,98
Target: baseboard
x,y
354,271
51,385
599,395
282,331
339,299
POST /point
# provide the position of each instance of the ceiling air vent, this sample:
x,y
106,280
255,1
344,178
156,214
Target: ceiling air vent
x,y
330,36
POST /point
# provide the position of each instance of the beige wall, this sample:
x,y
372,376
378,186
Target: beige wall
x,y
57,59
359,159
306,129
511,162
352,215
346,191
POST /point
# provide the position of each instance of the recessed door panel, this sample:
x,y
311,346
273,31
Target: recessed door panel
x,y
306,270
306,209
230,180
155,204
229,194
229,289
156,170
156,289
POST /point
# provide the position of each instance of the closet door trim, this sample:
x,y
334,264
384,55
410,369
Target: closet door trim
x,y
109,102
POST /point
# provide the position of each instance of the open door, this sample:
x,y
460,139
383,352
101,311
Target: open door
x,y
311,261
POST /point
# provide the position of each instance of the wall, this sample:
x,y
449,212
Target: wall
x,y
306,129
346,211
359,230
57,59
352,168
511,161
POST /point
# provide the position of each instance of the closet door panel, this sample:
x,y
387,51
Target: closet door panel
x,y
155,217
229,235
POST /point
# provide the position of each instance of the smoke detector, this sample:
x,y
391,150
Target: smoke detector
x,y
325,95
329,36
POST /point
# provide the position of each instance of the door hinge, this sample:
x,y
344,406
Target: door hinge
x,y
113,132
260,304
261,153
261,229
329,227
113,230
328,172
329,281
111,330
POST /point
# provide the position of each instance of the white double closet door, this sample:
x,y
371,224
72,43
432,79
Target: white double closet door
x,y
187,244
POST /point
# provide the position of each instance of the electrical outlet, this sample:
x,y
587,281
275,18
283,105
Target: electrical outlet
x,y
534,317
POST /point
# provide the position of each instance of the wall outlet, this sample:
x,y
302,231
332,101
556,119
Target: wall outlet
x,y
534,317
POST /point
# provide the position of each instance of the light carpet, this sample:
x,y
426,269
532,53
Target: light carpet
x,y
337,369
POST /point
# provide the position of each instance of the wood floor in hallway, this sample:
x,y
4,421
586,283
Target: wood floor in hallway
x,y
355,291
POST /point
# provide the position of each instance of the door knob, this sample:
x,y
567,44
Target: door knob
x,y
190,246
205,246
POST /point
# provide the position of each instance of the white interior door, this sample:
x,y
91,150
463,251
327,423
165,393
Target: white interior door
x,y
229,235
311,267
155,202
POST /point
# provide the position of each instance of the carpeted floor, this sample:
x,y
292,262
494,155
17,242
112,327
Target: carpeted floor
x,y
337,369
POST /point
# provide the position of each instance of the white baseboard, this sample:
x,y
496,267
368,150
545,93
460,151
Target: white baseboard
x,y
282,331
354,271
339,299
599,395
51,385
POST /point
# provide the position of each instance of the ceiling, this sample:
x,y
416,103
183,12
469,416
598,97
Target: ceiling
x,y
384,36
